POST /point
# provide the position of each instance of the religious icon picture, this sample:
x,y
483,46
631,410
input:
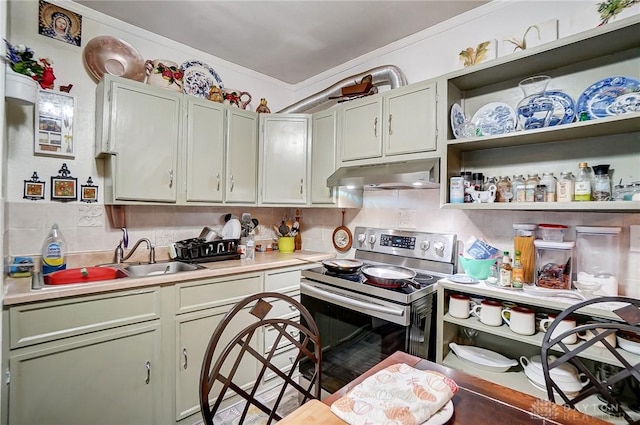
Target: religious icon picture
x,y
34,188
60,24
54,126
89,192
64,187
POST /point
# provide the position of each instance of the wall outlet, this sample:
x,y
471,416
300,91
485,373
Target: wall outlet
x,y
634,238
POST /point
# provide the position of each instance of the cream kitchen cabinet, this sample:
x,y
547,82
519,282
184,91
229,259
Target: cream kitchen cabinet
x,y
397,125
284,158
324,151
87,360
166,147
501,339
201,306
220,155
138,128
574,64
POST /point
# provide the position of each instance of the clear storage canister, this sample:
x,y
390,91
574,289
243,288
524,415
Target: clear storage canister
x,y
598,253
517,187
530,187
466,182
523,237
583,185
554,264
504,193
601,183
564,188
549,180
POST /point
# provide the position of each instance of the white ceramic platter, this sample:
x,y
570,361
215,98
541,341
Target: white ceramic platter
x,y
462,278
457,118
483,358
198,78
232,229
441,416
110,55
495,118
628,345
609,97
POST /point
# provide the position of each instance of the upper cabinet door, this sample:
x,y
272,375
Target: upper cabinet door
x,y
362,129
242,157
204,151
284,145
324,154
144,133
410,120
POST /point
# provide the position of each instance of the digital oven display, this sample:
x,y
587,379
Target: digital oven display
x,y
406,242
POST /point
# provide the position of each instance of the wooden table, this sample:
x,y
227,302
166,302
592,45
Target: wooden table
x,y
477,401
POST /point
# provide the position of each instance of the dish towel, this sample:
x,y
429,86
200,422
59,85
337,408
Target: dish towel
x,y
398,394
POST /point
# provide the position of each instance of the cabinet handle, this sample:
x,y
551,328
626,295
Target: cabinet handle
x,y
170,177
375,127
390,130
184,354
218,179
301,186
147,365
232,184
295,334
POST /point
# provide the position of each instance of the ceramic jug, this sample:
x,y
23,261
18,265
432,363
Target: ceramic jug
x,y
164,73
234,97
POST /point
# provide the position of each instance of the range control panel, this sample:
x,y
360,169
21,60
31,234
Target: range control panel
x,y
423,245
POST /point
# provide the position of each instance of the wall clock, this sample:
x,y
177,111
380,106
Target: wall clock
x,y
342,237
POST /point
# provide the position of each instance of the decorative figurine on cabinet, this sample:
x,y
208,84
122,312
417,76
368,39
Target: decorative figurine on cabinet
x,y
215,94
263,108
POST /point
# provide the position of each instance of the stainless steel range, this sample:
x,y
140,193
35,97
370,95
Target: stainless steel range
x,y
362,322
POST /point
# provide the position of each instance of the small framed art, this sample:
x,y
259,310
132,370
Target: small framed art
x,y
54,125
34,188
89,192
64,188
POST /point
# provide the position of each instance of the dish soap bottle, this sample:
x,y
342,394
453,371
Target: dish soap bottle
x,y
54,252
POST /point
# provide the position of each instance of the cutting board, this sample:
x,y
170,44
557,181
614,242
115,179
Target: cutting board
x,y
81,275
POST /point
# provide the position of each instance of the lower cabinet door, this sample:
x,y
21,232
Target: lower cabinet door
x,y
193,334
111,377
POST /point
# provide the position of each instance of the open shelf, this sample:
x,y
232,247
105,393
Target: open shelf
x,y
549,206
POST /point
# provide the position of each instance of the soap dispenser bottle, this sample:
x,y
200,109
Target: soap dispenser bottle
x,y
54,252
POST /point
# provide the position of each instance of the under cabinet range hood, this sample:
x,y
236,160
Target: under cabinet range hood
x,y
414,174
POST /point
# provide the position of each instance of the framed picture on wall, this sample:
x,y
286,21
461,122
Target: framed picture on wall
x,y
59,24
64,187
54,124
89,192
34,188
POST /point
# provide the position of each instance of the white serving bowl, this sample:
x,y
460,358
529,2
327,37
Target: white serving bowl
x,y
628,345
565,375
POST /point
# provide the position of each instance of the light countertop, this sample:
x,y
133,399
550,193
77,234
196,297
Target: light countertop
x,y
18,290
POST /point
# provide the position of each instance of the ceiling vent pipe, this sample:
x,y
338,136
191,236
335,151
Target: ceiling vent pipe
x,y
382,75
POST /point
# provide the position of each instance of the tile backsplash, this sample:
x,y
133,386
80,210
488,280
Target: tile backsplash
x,y
86,228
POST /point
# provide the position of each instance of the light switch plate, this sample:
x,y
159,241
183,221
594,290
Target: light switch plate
x,y
634,238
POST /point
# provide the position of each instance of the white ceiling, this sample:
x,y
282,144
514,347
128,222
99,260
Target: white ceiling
x,y
287,40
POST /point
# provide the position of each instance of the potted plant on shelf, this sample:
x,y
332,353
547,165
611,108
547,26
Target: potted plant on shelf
x,y
24,74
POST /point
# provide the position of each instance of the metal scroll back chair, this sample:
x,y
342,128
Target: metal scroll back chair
x,y
555,353
241,368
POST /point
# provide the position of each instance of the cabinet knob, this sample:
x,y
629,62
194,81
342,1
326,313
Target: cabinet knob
x,y
147,365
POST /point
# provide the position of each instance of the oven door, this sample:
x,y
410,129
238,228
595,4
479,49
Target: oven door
x,y
356,331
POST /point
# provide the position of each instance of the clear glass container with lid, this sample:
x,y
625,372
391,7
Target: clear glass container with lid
x,y
549,180
564,187
518,189
598,257
583,186
601,183
523,237
554,264
530,187
504,192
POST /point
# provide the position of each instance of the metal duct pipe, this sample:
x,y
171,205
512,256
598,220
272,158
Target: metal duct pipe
x,y
388,74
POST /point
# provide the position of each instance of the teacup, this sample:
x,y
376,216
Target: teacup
x,y
459,306
489,312
588,334
521,320
234,97
565,325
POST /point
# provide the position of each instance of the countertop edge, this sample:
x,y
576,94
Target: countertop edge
x,y
18,290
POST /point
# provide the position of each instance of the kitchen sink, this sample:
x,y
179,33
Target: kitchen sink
x,y
160,268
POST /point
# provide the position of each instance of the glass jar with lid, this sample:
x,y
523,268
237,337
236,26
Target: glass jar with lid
x,y
564,187
466,183
540,193
549,180
601,183
517,187
504,193
530,187
582,188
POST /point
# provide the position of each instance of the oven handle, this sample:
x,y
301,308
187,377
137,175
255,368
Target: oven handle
x,y
351,301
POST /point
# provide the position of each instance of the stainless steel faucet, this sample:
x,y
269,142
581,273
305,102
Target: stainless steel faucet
x,y
119,253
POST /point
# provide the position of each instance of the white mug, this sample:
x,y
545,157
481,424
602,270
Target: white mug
x,y
489,312
521,320
459,306
566,324
588,334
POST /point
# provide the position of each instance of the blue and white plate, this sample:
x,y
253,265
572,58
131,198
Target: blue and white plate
x,y
609,97
564,108
199,78
495,118
457,118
